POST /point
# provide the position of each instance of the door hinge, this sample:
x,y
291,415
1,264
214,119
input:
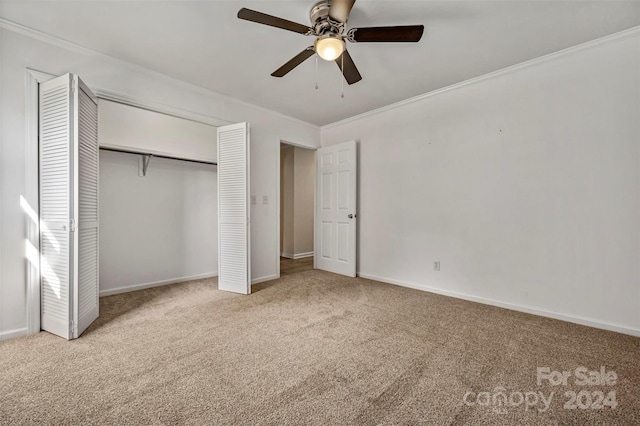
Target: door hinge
x,y
73,86
72,328
72,225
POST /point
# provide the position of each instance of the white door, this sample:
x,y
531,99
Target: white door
x,y
68,206
335,239
234,249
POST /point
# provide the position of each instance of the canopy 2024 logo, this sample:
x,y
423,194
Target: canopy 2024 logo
x,y
593,399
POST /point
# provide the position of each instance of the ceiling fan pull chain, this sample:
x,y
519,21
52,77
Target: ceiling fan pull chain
x,y
342,79
316,71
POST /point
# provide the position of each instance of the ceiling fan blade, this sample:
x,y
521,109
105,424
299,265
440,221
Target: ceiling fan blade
x,y
273,21
340,9
350,71
294,62
407,33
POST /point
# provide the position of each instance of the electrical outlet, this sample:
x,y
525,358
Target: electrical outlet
x,y
436,265
253,199
265,199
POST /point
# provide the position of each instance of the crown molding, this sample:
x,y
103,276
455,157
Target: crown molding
x,y
74,47
630,32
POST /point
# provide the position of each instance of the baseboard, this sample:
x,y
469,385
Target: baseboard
x,y
142,286
513,307
297,255
263,279
12,334
303,255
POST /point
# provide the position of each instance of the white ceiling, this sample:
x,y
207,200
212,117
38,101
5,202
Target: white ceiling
x,y
203,42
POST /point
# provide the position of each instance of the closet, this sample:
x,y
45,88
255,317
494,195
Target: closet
x,y
133,198
158,198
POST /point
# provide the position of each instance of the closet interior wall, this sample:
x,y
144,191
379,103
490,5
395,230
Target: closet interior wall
x,y
158,199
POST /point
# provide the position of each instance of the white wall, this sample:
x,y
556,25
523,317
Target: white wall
x,y
139,130
525,185
156,229
297,192
304,180
287,211
543,214
21,48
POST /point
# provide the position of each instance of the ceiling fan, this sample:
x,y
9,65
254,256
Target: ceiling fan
x,y
328,25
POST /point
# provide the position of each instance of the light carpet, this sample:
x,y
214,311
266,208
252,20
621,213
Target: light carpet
x,y
314,348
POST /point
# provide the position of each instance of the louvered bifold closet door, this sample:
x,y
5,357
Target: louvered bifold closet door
x,y
56,205
234,251
86,308
68,206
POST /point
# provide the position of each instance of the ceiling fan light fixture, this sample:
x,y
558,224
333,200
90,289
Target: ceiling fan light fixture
x,y
329,47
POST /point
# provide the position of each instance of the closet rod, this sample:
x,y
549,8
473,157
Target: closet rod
x,y
157,155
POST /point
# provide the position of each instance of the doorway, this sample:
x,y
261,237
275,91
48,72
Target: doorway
x,y
297,198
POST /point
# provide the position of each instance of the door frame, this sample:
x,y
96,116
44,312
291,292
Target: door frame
x,y
277,200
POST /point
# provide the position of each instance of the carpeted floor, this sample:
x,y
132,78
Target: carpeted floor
x,y
313,348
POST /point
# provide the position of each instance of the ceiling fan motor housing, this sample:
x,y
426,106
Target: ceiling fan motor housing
x,y
320,20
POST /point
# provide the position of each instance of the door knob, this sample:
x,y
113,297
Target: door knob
x,y
350,216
